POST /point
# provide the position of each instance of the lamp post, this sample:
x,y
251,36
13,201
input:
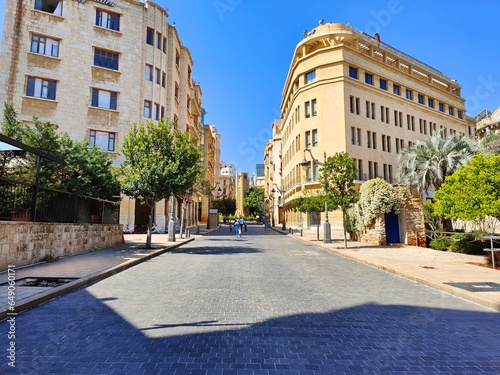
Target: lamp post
x,y
272,211
282,193
171,222
327,234
210,196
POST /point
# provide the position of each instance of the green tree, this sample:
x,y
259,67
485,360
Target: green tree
x,y
337,178
226,206
311,204
254,201
428,162
82,170
472,192
158,163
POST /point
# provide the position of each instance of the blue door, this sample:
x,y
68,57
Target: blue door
x,y
392,228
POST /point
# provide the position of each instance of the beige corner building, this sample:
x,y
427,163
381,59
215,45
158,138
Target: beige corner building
x,y
94,68
242,187
348,91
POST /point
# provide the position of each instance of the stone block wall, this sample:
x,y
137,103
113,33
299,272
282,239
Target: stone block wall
x,y
22,244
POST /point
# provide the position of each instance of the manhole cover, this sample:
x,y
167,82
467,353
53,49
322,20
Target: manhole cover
x,y
477,287
48,282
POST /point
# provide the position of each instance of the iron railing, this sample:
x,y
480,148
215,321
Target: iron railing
x,y
24,202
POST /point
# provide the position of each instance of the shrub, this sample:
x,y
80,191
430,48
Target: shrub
x,y
467,244
441,243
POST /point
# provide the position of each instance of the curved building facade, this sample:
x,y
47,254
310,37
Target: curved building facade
x,y
348,91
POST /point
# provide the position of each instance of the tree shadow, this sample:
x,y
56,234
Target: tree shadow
x,y
81,334
216,250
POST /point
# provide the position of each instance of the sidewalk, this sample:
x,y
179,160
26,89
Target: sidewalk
x,y
73,272
456,274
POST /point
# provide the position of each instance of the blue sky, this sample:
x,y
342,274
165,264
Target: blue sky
x,y
242,50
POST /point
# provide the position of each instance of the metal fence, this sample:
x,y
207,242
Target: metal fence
x,y
24,202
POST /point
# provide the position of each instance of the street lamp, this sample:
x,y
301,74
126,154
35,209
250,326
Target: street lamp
x,y
171,223
282,192
210,196
272,211
327,236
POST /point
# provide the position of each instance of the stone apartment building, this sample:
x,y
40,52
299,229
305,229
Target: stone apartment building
x,y
94,67
348,91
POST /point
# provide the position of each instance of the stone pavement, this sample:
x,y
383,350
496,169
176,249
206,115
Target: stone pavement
x,y
449,272
79,270
435,269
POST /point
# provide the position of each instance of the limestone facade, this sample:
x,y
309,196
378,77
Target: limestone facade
x,y
348,91
94,68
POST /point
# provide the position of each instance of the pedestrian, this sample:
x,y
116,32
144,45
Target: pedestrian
x,y
230,227
236,228
245,224
240,228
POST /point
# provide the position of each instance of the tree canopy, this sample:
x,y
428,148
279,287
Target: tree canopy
x,y
337,178
82,170
472,192
158,163
254,201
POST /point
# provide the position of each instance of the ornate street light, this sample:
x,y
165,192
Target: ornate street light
x,y
282,192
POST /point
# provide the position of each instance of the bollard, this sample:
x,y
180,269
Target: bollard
x,y
188,233
198,229
301,232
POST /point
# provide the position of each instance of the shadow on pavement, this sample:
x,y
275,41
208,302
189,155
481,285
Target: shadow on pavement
x,y
90,336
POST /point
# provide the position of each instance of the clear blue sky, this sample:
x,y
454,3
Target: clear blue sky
x,y
242,51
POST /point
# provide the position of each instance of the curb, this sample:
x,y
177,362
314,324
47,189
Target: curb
x,y
33,301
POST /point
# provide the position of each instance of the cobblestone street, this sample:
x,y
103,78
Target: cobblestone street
x,y
263,304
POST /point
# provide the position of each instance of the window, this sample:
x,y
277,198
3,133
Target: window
x,y
103,140
164,44
358,135
176,92
360,169
310,77
156,111
374,140
398,118
370,110
41,88
409,94
369,78
353,136
308,139
388,143
189,73
104,99
49,6
107,19
353,72
460,114
149,73
314,107
430,102
396,89
383,84
158,40
420,99
451,110
370,170
158,76
44,46
397,146
441,107
383,142
368,139
163,79
147,108
149,36
106,59
354,105
307,109
315,137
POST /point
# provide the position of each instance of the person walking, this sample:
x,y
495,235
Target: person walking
x,y
230,227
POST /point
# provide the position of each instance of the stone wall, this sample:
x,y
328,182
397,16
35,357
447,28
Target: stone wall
x,y
375,233
415,223
22,244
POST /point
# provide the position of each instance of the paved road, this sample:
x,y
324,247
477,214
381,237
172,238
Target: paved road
x,y
263,304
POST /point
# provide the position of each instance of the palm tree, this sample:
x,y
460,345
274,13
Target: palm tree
x,y
426,163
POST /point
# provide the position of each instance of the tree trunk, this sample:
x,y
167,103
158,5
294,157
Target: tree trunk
x,y
150,225
447,225
343,226
317,232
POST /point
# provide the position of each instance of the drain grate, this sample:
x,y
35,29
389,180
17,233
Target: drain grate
x,y
48,282
477,287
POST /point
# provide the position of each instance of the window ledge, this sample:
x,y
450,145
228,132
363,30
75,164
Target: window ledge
x,y
105,29
42,99
43,55
106,69
60,18
104,109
